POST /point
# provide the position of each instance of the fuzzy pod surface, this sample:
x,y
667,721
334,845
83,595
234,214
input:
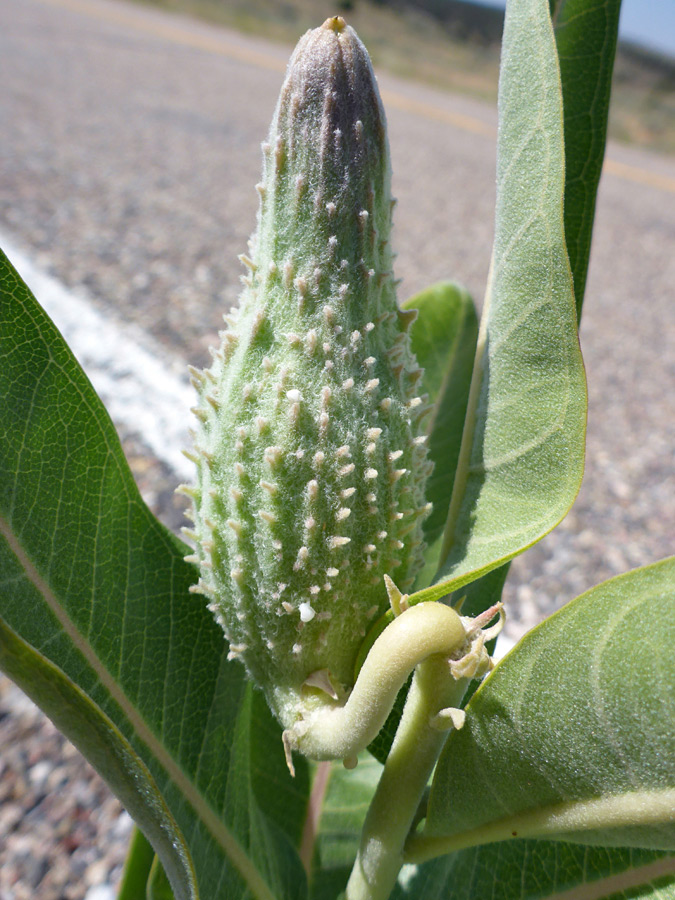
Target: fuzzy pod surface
x,y
311,463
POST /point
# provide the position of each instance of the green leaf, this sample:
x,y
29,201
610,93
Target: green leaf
x,y
572,734
535,870
74,713
443,338
585,33
93,586
342,806
521,460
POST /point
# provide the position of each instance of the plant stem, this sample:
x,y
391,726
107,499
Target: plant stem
x,y
410,762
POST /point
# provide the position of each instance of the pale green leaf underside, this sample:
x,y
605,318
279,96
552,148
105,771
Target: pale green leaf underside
x,y
97,588
521,460
572,734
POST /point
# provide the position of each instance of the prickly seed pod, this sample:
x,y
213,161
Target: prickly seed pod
x,y
310,457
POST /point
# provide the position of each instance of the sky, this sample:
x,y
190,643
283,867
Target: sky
x,y
650,23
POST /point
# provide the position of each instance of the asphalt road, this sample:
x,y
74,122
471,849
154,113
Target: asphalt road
x,y
129,153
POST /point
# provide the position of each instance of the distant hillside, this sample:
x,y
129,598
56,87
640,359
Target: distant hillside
x,y
471,21
453,45
648,66
643,100
463,20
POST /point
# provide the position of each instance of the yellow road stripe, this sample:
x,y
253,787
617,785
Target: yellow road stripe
x,y
220,46
639,175
437,114
171,33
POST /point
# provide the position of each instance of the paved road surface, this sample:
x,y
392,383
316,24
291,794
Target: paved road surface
x,y
129,153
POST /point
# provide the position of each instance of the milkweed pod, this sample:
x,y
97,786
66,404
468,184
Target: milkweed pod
x,y
295,519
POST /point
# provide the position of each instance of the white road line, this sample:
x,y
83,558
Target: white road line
x,y
142,392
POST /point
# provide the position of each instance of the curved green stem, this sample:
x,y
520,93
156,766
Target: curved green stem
x,y
329,730
404,780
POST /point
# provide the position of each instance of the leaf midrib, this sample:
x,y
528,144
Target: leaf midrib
x,y
219,831
630,808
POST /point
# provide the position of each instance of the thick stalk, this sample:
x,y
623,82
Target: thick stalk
x,y
404,779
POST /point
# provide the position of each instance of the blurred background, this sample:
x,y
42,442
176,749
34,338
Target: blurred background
x,y
454,45
129,156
